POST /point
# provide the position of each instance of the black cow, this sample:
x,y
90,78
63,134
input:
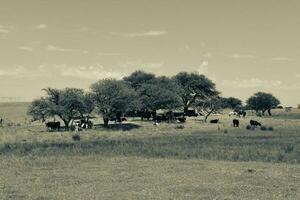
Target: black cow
x,y
53,125
145,114
214,121
236,122
254,123
118,119
191,113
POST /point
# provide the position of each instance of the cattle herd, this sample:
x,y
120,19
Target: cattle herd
x,y
156,117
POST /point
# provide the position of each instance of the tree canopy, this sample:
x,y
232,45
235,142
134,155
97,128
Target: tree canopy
x,y
113,97
66,104
262,101
194,86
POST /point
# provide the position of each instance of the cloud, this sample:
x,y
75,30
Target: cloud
x,y
41,26
140,34
24,48
140,64
14,71
5,29
56,48
203,69
62,49
93,72
108,54
239,56
281,59
252,83
207,55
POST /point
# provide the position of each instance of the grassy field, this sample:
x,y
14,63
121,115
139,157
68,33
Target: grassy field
x,y
140,161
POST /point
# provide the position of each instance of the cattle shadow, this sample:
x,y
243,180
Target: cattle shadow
x,y
117,127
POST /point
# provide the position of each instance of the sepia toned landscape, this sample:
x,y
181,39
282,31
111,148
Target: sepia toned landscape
x,y
141,99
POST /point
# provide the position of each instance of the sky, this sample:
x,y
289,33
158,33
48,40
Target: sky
x,y
243,46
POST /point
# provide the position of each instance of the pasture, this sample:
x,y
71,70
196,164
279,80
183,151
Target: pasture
x,y
136,160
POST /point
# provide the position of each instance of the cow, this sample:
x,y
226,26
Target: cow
x,y
145,114
118,119
236,123
214,121
191,113
242,113
233,113
254,123
1,122
53,125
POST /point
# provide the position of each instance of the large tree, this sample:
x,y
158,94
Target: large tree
x,y
66,104
138,78
209,105
262,101
112,98
231,102
160,93
194,86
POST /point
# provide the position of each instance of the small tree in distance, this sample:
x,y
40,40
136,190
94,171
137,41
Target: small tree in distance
x,y
262,101
194,86
66,104
231,102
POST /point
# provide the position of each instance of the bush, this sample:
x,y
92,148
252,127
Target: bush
x,y
225,131
271,128
263,128
248,127
76,137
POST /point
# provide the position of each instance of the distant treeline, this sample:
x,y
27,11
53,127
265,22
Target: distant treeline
x,y
140,92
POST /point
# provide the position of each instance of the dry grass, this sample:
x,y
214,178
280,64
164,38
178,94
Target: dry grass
x,y
94,177
150,162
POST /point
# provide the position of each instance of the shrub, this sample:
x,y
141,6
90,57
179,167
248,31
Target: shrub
x,y
263,128
76,137
225,131
248,127
271,128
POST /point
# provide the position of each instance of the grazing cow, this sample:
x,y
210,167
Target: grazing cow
x,y
145,114
236,122
214,121
53,125
191,113
254,123
242,113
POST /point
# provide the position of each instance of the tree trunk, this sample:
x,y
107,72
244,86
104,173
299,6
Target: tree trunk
x,y
269,112
208,114
185,109
105,120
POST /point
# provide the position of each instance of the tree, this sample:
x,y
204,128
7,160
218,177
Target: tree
x,y
112,98
39,109
262,101
231,102
160,93
66,104
210,105
194,86
137,78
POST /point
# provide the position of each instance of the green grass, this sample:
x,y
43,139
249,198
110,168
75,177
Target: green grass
x,y
114,177
142,161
